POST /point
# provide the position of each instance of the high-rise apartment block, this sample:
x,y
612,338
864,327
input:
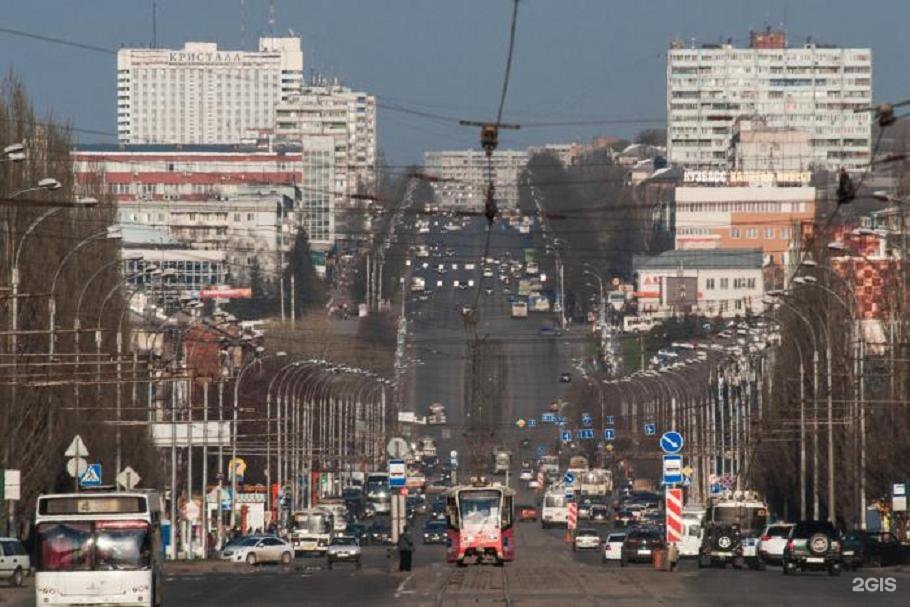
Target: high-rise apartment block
x,y
203,94
464,174
812,88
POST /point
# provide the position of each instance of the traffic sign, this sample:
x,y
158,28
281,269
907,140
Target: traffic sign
x,y
91,477
566,436
520,423
532,423
585,434
674,503
561,420
548,418
586,419
128,478
572,516
397,448
75,466
650,429
611,420
673,469
671,442
77,448
569,478
397,473
609,433
541,450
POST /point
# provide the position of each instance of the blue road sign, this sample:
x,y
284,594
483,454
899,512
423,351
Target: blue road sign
x,y
91,477
650,429
532,423
671,442
586,419
570,494
611,420
673,469
585,434
548,418
561,420
569,478
541,450
566,436
609,433
716,489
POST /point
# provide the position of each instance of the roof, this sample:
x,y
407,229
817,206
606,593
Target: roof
x,y
701,259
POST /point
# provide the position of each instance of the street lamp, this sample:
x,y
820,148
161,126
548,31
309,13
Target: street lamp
x,y
15,152
45,184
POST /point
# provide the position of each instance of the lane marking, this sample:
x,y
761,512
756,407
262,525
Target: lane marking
x,y
400,590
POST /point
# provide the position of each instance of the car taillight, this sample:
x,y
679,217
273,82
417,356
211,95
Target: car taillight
x,y
790,545
765,538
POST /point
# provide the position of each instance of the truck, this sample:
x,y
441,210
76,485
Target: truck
x,y
502,460
519,309
437,414
596,482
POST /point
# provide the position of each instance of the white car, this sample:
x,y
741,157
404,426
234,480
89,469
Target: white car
x,y
255,549
772,542
533,484
586,539
526,475
14,561
344,549
613,547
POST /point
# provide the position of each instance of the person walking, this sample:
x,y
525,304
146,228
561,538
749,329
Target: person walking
x,y
405,550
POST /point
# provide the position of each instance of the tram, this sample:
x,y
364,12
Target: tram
x,y
479,521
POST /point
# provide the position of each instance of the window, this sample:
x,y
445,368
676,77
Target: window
x,y
724,283
785,233
734,233
769,233
709,284
750,283
752,233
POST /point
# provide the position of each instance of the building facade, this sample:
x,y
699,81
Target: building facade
x,y
811,88
709,283
463,176
757,147
203,94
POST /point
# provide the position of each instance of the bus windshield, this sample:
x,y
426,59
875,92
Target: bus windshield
x,y
94,546
317,522
748,518
480,510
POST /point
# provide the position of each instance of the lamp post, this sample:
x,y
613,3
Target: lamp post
x,y
46,184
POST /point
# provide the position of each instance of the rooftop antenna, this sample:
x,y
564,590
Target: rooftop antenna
x,y
154,24
271,17
243,24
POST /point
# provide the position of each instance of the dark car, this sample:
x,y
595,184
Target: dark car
x,y
356,530
548,331
380,533
640,544
623,518
873,549
721,543
434,532
813,545
565,378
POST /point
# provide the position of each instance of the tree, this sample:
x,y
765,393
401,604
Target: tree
x,y
263,301
309,289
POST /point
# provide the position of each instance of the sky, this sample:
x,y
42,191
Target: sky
x,y
574,59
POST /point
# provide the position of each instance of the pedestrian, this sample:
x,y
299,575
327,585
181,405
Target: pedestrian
x,y
405,550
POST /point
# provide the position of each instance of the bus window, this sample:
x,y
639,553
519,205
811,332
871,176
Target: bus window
x,y
64,546
122,545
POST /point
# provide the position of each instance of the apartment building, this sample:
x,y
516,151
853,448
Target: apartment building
x,y
812,88
463,176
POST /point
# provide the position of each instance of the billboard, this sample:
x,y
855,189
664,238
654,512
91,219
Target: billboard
x,y
165,433
681,291
225,293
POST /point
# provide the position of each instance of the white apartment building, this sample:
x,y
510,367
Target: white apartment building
x,y
464,176
203,94
811,88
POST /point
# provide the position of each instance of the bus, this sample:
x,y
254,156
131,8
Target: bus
x,y
379,497
311,531
555,510
98,548
479,520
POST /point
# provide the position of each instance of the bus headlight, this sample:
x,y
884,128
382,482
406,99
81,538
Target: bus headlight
x,y
47,590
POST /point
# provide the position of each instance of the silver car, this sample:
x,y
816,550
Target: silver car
x,y
256,549
343,548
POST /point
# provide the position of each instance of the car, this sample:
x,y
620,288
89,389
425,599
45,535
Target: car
x,y
721,543
613,547
623,518
813,545
584,509
867,548
356,530
548,331
434,532
526,474
343,549
599,513
772,542
257,549
565,377
533,484
639,545
527,513
380,533
14,561
586,539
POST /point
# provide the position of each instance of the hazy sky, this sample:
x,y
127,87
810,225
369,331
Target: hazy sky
x,y
575,59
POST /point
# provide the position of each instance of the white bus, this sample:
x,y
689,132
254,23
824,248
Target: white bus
x,y
555,507
98,549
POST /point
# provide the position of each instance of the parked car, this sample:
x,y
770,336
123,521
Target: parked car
x,y
527,513
772,542
586,539
613,547
873,549
343,549
14,561
640,543
256,549
434,532
813,545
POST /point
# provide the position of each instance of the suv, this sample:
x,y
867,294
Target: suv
x,y
721,544
813,545
772,542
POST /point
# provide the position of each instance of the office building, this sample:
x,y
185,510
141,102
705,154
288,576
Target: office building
x,y
811,88
203,94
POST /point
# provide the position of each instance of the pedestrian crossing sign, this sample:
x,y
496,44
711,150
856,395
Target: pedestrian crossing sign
x,y
91,477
